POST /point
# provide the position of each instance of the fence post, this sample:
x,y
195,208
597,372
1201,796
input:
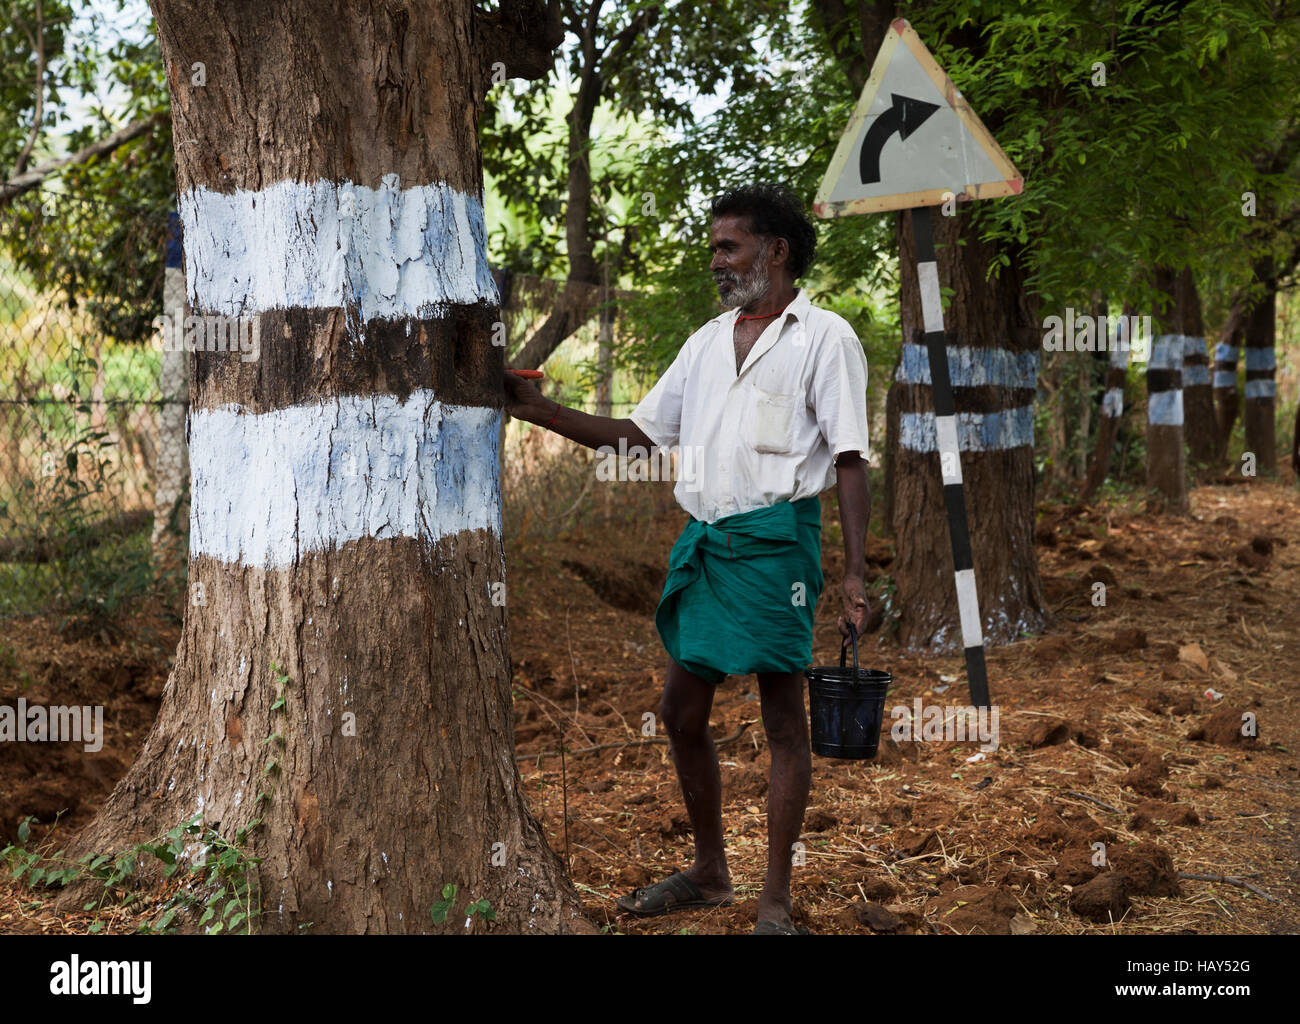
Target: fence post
x,y
172,466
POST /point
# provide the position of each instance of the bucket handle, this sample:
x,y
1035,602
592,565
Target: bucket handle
x,y
853,634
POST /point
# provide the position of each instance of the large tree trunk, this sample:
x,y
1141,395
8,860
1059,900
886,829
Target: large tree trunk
x,y
345,508
993,337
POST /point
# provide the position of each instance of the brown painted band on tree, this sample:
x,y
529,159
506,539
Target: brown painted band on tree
x,y
1164,380
305,355
986,398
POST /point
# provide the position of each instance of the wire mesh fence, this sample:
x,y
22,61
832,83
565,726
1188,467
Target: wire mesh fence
x,y
81,282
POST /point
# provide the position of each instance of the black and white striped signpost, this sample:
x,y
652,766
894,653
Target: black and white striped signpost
x,y
945,426
913,142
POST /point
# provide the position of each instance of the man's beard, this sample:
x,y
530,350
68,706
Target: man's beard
x,y
745,291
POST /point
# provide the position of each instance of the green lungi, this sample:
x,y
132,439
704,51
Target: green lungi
x,y
741,592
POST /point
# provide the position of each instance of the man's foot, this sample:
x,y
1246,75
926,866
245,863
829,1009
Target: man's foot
x,y
775,913
676,892
775,928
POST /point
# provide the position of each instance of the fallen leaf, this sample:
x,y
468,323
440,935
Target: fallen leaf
x,y
1022,925
1193,655
1225,673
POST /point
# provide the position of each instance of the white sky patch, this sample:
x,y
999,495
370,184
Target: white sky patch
x,y
392,253
269,488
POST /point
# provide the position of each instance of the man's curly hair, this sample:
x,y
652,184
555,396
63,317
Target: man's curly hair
x,y
775,211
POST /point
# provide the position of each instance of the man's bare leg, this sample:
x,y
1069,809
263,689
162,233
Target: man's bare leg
x,y
687,702
787,792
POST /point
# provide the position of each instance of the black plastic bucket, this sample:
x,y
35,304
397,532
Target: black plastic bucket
x,y
846,707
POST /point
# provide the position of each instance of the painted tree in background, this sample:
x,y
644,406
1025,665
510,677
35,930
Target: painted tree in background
x,y
1166,447
994,339
345,501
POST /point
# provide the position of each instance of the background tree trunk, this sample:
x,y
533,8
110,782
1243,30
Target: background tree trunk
x,y
345,519
171,466
1261,369
1166,457
995,322
1227,402
1199,423
1112,410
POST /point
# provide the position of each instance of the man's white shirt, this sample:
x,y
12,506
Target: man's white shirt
x,y
770,433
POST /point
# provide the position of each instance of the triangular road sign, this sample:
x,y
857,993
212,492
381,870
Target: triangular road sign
x,y
912,138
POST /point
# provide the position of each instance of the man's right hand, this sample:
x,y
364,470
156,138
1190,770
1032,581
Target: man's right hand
x,y
524,401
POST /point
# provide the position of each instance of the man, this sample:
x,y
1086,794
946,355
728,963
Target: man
x,y
768,403
1295,444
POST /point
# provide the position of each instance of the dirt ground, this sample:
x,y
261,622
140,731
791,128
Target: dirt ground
x,y
1107,736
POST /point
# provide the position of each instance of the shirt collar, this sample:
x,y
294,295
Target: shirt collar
x,y
798,308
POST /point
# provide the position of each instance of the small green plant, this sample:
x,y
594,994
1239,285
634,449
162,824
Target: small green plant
x,y
442,908
223,894
93,566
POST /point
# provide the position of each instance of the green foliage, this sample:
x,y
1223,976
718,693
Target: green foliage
x,y
222,892
442,908
18,72
89,574
1144,170
782,128
96,233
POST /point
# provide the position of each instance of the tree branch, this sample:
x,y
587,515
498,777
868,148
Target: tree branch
x,y
38,44
522,35
28,180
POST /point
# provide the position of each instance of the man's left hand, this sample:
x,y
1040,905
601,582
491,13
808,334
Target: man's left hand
x,y
855,610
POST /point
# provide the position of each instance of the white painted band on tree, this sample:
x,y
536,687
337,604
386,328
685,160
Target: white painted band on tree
x,y
1165,408
931,301
1225,378
949,457
976,431
1261,389
268,488
1198,373
389,252
1167,353
1119,357
1225,353
1261,359
972,367
1193,345
1112,404
972,630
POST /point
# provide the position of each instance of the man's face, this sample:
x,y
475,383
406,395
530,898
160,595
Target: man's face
x,y
741,261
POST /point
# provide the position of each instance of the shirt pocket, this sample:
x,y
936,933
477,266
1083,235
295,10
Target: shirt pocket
x,y
773,421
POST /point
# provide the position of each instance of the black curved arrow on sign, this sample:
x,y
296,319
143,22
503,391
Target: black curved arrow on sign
x,y
905,116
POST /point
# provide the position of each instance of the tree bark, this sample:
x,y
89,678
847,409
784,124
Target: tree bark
x,y
1261,370
1227,402
1112,411
345,507
1166,455
1200,424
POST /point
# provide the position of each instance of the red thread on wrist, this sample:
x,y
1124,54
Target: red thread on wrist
x,y
558,407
